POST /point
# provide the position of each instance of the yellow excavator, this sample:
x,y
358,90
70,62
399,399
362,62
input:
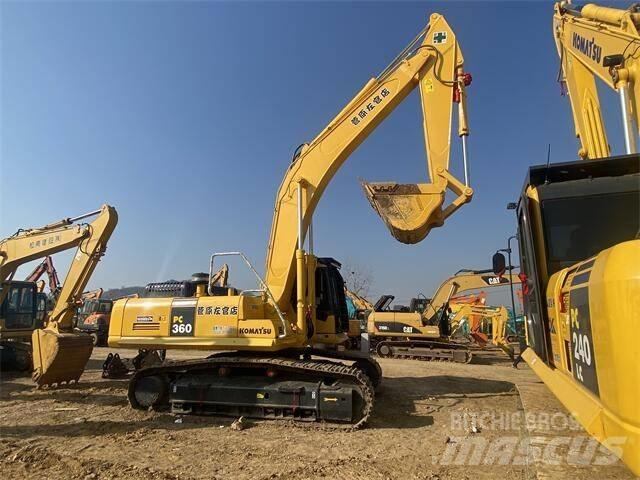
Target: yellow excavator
x,y
58,354
476,317
578,230
426,335
357,318
271,337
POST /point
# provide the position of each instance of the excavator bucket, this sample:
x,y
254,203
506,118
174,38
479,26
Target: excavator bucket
x,y
410,211
59,357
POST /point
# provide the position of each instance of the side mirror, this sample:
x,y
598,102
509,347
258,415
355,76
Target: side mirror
x,y
499,264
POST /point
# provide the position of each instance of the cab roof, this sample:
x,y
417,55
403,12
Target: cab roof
x,y
582,169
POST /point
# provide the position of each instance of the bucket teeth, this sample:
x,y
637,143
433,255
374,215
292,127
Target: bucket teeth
x,y
408,210
59,357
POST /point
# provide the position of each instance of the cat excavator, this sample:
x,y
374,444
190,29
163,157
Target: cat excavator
x,y
58,355
282,345
578,231
427,335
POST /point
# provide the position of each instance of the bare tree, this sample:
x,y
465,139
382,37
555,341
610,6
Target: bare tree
x,y
358,278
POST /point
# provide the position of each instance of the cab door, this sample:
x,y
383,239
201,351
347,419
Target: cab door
x,y
532,288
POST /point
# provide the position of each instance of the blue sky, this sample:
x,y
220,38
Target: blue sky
x,y
184,116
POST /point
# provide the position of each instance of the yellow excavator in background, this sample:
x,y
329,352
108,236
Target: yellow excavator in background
x,y
269,335
427,335
578,230
92,294
359,302
476,317
58,355
358,317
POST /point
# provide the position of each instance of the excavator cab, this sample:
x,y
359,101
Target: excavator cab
x,y
330,297
93,319
383,303
18,317
578,225
19,309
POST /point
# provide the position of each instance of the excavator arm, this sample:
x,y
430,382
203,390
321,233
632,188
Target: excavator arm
x,y
58,355
359,302
221,277
46,266
434,63
90,240
92,294
602,42
466,280
474,314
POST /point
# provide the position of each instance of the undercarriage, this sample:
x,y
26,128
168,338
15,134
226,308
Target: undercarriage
x,y
422,349
288,385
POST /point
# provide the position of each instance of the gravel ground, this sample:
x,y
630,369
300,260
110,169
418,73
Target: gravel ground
x,y
431,421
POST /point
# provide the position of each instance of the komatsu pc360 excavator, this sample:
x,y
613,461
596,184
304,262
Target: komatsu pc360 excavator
x,y
58,354
426,335
300,309
578,229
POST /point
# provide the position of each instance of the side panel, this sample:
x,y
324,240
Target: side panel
x,y
614,306
400,324
596,336
583,357
225,322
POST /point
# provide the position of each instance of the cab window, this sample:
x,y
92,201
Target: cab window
x,y
20,300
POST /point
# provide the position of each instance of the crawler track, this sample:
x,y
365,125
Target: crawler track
x,y
293,368
429,351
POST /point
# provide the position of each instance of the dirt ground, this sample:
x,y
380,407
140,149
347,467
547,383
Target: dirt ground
x,y
426,419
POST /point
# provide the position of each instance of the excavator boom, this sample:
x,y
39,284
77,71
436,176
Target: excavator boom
x,y
434,62
599,42
466,280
